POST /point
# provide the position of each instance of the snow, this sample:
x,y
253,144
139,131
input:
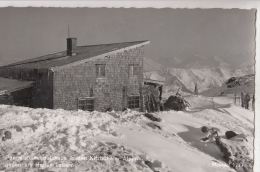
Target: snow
x,y
165,150
126,139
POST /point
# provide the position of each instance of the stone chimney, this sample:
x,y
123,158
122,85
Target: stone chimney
x,y
71,46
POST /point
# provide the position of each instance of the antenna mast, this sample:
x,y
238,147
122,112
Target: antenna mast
x,y
68,31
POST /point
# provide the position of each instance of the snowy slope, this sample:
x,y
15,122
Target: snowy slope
x,y
129,141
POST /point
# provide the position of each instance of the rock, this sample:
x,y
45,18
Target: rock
x,y
154,126
108,109
177,103
17,128
152,117
157,164
230,134
150,165
236,154
232,82
7,135
204,129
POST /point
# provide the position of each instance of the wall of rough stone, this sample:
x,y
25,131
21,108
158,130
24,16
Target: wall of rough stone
x,y
73,82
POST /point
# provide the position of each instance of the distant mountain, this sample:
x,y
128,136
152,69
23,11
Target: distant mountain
x,y
204,77
171,83
186,78
151,65
234,85
244,70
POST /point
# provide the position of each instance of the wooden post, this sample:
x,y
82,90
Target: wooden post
x,y
253,102
213,104
242,100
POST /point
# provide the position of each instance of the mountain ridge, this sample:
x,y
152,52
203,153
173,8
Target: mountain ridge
x,y
185,78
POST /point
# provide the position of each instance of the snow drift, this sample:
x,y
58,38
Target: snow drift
x,y
59,140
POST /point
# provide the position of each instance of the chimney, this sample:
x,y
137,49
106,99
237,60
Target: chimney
x,y
71,46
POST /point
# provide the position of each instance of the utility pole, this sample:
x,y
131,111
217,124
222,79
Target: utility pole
x,y
196,89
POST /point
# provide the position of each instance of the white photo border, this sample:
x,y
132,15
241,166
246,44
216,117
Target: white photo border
x,y
190,4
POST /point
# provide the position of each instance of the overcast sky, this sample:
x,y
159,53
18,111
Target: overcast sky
x,y
179,37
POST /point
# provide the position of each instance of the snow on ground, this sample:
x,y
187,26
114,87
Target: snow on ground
x,y
120,141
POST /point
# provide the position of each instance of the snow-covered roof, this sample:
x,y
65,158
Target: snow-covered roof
x,y
157,82
11,85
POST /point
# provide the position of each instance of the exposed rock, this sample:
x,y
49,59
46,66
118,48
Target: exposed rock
x,y
232,82
177,103
154,126
150,165
152,117
230,134
7,135
236,154
17,128
157,164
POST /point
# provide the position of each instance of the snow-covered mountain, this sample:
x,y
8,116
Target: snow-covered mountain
x,y
234,85
151,65
186,78
244,70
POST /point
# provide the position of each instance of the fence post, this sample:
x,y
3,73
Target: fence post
x,y
253,103
242,99
213,104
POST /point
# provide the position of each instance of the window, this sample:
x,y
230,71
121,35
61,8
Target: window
x,y
91,92
133,102
86,103
133,69
100,70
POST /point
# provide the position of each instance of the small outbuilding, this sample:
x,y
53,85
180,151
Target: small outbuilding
x,y
15,92
153,95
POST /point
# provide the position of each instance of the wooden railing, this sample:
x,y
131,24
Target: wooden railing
x,y
251,103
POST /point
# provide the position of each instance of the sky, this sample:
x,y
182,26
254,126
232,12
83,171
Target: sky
x,y
179,37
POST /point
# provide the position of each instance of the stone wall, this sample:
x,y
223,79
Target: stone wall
x,y
73,82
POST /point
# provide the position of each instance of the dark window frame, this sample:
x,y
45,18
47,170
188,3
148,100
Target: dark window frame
x,y
133,69
100,70
86,103
133,101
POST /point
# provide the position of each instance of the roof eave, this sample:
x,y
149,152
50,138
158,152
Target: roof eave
x,y
11,90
